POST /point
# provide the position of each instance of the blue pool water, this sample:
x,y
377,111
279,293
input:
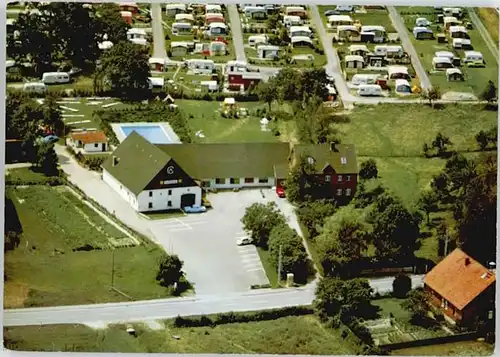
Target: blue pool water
x,y
152,133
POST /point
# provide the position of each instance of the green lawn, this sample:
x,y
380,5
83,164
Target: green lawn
x,y
204,116
289,335
45,271
26,174
464,348
475,78
271,271
372,17
401,130
391,306
489,16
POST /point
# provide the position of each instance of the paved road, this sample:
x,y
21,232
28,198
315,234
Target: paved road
x,y
158,35
400,26
237,35
484,33
169,308
17,166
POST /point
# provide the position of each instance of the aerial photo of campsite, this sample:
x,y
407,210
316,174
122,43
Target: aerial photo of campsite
x,y
250,178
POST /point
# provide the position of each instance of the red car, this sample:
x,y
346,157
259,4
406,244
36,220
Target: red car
x,y
281,192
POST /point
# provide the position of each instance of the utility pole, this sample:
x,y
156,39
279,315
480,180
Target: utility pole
x,y
112,268
279,266
446,244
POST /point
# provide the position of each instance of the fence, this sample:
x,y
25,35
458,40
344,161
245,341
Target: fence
x,y
431,341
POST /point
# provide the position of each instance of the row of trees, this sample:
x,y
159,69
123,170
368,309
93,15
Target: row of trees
x,y
270,231
65,34
489,94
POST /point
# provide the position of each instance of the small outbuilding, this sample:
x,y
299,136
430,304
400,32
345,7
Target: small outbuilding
x,y
88,141
157,64
127,17
454,75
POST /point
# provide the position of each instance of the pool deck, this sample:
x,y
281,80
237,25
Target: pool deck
x,y
167,129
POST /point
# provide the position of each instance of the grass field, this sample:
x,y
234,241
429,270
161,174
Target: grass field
x,y
205,116
401,130
371,17
475,78
45,271
489,16
289,335
464,348
26,174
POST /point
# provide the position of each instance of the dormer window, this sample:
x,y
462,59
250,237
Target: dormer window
x,y
310,160
343,160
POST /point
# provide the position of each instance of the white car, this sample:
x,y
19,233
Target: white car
x,y
244,241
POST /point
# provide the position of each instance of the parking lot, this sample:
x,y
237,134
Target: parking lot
x,y
207,243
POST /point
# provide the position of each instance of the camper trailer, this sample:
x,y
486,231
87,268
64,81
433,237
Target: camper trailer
x,y
300,31
338,20
450,21
393,51
213,8
35,87
201,65
402,86
473,59
423,33
441,63
422,22
348,32
255,12
462,44
458,32
453,11
359,79
268,52
257,39
181,28
184,18
367,90
174,9
378,31
398,72
359,50
212,17
354,61
217,28
296,11
292,21
301,41
55,77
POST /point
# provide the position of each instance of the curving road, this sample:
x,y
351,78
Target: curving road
x,y
168,308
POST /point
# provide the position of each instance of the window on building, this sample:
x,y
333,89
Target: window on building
x,y
169,203
339,192
343,160
150,205
248,179
348,192
234,180
169,192
339,178
263,180
96,145
150,193
220,181
348,178
328,178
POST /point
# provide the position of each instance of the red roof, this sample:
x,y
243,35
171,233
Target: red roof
x,y
89,137
459,279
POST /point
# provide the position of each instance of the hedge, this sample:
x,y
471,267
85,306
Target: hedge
x,y
241,317
92,162
51,181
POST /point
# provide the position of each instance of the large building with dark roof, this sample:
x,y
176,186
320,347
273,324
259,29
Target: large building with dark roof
x,y
153,177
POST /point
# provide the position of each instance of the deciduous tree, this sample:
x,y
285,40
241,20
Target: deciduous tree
x,y
313,213
368,169
260,219
46,158
490,92
417,304
428,202
169,270
401,286
431,95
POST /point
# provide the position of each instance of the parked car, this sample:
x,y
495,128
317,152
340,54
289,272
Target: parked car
x,y
244,241
48,139
332,12
280,192
195,209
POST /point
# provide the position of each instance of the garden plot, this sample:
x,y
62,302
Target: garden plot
x,y
474,79
63,214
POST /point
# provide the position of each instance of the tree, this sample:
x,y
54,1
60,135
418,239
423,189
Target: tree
x,y
46,159
417,304
302,183
52,115
267,92
395,229
328,297
428,203
357,295
169,270
273,22
260,219
401,286
111,23
368,169
440,144
12,240
482,139
490,92
431,95
125,66
343,241
313,213
294,257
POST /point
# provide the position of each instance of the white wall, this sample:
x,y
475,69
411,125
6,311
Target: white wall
x,y
92,148
120,189
160,198
241,184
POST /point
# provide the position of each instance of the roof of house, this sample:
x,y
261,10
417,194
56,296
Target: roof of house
x,y
459,283
324,156
89,137
139,161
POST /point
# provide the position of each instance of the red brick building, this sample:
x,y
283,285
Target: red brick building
x,y
461,288
245,79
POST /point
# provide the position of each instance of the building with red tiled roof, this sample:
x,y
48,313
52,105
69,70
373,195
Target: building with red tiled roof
x,y
461,287
88,141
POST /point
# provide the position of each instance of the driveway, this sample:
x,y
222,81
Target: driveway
x,y
237,35
158,35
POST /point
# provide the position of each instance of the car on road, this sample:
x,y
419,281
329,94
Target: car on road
x,y
49,139
280,191
195,209
244,241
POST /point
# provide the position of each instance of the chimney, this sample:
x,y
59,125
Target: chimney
x,y
115,161
467,261
333,147
491,267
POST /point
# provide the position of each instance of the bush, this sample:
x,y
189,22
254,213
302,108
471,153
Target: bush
x,y
401,286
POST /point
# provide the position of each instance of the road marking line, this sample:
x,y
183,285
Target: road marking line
x,y
255,269
184,224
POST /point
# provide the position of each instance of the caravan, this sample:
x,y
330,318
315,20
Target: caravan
x,y
359,79
369,90
35,87
181,28
55,78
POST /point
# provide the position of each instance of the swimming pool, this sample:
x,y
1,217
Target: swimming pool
x,y
152,133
